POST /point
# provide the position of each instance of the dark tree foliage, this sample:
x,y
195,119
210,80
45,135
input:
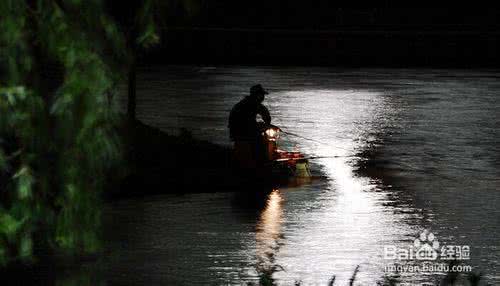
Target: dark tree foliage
x,y
59,63
139,21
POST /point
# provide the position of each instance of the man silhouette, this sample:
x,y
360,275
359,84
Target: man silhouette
x,y
244,129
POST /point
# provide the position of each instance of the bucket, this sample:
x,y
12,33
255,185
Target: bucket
x,y
302,169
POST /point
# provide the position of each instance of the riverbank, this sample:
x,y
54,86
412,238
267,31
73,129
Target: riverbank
x,y
155,162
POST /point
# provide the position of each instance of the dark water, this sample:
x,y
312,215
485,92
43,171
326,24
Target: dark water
x,y
435,132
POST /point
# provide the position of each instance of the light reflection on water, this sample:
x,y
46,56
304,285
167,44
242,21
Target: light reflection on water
x,y
269,230
351,225
268,235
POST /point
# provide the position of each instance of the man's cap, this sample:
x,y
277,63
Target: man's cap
x,y
257,89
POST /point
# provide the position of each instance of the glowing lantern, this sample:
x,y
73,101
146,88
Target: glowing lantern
x,y
272,134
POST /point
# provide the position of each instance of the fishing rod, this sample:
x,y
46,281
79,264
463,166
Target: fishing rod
x,y
328,157
313,140
401,164
302,137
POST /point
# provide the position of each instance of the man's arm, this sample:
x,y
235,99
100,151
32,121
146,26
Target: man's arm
x,y
264,113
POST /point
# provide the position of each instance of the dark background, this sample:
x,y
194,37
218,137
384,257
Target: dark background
x,y
303,33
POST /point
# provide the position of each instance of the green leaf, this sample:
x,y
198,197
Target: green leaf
x,y
3,161
25,246
24,182
9,225
148,37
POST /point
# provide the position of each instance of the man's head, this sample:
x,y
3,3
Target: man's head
x,y
258,92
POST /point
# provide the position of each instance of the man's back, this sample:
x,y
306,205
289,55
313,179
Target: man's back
x,y
242,119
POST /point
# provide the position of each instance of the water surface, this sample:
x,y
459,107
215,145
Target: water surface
x,y
434,132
